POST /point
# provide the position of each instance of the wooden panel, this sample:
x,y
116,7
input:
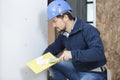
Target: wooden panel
x,y
51,33
108,22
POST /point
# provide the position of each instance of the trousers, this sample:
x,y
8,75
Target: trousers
x,y
65,70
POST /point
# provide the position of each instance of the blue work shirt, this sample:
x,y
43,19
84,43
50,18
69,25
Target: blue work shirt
x,y
85,45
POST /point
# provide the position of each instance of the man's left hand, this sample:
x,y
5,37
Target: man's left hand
x,y
66,55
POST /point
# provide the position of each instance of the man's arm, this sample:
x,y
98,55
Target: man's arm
x,y
95,51
56,47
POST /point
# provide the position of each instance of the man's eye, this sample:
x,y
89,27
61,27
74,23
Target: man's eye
x,y
54,21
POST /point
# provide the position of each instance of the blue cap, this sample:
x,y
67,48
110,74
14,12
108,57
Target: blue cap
x,y
57,7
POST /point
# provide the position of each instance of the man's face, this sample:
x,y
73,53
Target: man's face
x,y
58,24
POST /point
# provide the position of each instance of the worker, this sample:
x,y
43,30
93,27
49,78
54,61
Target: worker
x,y
82,49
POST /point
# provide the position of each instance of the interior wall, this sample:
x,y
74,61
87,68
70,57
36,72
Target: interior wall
x,y
108,22
0,37
23,37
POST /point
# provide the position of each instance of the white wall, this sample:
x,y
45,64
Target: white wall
x,y
23,37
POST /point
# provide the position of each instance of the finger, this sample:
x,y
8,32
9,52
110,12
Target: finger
x,y
61,58
66,58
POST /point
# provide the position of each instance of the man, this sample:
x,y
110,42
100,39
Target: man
x,y
80,43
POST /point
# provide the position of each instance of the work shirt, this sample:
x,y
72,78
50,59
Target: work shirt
x,y
85,45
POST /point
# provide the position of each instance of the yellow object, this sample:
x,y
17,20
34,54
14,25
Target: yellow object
x,y
43,62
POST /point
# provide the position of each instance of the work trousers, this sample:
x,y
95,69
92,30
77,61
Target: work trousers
x,y
65,70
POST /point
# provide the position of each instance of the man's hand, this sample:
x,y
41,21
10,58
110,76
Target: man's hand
x,y
66,55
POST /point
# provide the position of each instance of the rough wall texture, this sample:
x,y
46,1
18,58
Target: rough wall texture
x,y
108,22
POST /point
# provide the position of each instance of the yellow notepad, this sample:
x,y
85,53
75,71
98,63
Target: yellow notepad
x,y
43,62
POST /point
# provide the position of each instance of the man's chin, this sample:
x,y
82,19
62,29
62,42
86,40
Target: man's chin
x,y
59,31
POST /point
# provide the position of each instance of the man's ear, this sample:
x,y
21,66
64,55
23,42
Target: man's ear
x,y
65,18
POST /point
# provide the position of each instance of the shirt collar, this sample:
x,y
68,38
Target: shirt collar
x,y
66,34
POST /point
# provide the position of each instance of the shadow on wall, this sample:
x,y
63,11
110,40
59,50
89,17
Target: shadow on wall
x,y
27,74
43,22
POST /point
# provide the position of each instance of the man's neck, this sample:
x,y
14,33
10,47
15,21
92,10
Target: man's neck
x,y
69,25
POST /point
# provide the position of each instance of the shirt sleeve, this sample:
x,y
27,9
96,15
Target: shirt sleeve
x,y
56,47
